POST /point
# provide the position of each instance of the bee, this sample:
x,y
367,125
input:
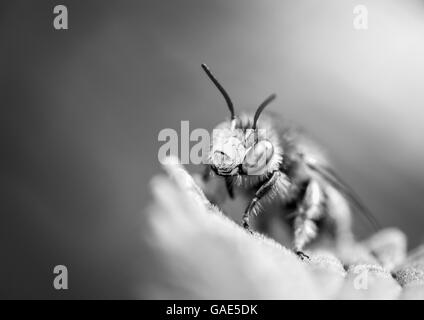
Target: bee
x,y
269,160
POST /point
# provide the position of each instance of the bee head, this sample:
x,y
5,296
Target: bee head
x,y
238,147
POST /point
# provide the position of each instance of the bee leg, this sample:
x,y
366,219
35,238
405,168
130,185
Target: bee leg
x,y
309,211
211,186
302,255
229,185
203,178
206,174
263,190
339,211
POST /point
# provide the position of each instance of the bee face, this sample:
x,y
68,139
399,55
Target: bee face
x,y
237,151
237,146
227,150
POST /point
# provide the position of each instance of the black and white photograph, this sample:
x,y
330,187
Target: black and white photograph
x,y
199,151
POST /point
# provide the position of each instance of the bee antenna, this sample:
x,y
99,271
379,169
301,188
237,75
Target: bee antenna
x,y
261,108
221,89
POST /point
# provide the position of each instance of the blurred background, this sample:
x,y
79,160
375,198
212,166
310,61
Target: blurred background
x,y
82,109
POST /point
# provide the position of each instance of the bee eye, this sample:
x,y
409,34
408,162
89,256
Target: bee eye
x,y
258,156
